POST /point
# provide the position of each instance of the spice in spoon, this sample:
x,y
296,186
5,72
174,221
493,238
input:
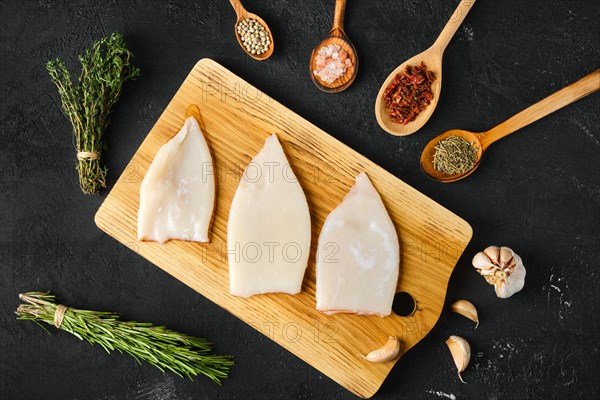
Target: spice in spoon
x,y
454,155
409,93
254,36
331,63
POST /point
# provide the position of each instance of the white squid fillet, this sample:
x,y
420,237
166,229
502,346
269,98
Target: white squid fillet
x,y
268,232
177,195
358,255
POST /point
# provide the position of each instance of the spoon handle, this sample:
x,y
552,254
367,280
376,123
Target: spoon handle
x,y
338,16
238,8
451,27
586,85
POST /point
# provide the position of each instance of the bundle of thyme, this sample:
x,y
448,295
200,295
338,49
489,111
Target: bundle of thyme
x,y
104,69
163,348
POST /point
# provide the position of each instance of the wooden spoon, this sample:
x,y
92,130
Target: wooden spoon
x,y
432,57
481,141
336,36
243,14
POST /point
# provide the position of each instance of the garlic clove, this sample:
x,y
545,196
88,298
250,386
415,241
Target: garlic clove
x,y
506,256
482,261
466,309
493,252
461,353
387,352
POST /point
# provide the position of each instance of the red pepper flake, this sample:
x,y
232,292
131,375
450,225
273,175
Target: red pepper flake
x,y
409,93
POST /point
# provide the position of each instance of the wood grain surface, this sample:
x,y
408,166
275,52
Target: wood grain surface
x,y
237,119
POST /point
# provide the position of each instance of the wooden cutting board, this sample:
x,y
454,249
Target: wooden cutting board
x,y
237,119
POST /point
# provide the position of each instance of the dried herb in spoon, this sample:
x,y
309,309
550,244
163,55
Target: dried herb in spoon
x,y
454,155
165,349
104,69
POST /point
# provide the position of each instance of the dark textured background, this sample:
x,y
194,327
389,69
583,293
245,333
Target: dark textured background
x,y
538,191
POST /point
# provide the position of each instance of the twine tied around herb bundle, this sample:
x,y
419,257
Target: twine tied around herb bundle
x,y
38,305
59,315
87,155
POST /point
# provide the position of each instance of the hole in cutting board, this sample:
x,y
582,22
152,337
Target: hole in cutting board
x,y
404,304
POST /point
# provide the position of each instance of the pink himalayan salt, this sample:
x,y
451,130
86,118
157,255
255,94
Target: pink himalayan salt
x,y
331,63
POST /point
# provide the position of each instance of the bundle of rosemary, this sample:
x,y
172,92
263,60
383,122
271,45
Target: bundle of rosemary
x,y
163,348
104,69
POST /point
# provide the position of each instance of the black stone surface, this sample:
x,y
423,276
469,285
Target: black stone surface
x,y
538,191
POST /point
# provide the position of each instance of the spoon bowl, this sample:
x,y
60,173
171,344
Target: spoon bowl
x,y
481,141
343,81
429,151
243,14
336,36
432,58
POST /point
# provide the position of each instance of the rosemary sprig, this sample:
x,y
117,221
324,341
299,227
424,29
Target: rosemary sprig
x,y
165,349
104,69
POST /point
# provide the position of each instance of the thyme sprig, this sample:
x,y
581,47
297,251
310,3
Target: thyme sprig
x,y
165,349
104,68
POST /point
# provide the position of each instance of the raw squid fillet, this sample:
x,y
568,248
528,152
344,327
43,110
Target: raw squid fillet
x,y
358,255
177,195
268,232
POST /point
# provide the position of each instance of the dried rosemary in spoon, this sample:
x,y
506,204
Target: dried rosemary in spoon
x,y
454,155
104,69
165,349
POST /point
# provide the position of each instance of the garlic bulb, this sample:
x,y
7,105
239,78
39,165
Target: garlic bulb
x,y
501,267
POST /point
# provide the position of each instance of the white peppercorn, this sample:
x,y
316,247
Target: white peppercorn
x,y
253,36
